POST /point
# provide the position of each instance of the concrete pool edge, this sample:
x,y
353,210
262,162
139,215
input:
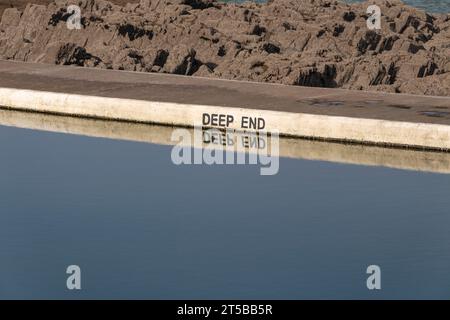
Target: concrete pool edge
x,y
361,117
302,125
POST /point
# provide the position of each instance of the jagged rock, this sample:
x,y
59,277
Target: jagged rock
x,y
10,18
298,42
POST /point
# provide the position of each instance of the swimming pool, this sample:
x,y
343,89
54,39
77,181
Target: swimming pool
x,y
140,226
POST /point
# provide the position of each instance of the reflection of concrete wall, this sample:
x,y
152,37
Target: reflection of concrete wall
x,y
292,148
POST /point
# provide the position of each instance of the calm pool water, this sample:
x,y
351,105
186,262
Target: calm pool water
x,y
141,227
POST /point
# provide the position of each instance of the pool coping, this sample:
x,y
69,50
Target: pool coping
x,y
315,113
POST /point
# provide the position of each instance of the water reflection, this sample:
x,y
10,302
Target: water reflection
x,y
141,227
406,159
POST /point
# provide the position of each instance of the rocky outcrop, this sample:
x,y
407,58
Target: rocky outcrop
x,y
322,43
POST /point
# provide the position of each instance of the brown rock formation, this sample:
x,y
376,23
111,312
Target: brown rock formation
x,y
322,43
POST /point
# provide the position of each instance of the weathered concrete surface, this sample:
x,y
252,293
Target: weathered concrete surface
x,y
332,114
437,162
236,94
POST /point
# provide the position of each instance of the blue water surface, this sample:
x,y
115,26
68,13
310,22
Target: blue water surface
x,y
141,227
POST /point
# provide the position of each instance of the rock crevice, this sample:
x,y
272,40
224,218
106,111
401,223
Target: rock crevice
x,y
322,43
